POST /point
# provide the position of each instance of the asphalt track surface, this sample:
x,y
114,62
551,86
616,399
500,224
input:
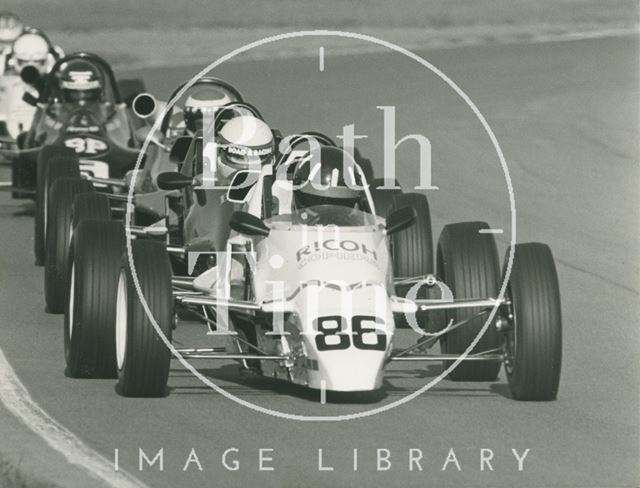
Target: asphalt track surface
x,y
566,115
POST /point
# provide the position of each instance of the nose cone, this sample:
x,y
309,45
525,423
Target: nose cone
x,y
349,370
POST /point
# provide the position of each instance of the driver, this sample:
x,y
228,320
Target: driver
x,y
201,103
327,177
81,83
243,142
10,28
29,49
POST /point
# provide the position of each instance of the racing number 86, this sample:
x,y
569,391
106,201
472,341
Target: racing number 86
x,y
331,336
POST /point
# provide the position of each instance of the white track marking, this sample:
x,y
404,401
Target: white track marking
x,y
321,53
15,397
491,231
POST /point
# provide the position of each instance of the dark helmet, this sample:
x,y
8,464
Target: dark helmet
x,y
328,177
81,81
203,102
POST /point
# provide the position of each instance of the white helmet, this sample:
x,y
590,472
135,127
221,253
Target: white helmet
x,y
10,28
203,103
30,50
245,142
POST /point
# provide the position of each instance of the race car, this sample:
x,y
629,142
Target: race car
x,y
309,294
82,125
71,199
30,48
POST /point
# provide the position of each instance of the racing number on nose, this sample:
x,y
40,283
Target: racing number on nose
x,y
86,145
330,335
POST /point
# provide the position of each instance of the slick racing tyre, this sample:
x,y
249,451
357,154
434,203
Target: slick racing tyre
x,y
53,162
143,358
382,198
90,206
90,315
467,262
59,228
533,335
412,249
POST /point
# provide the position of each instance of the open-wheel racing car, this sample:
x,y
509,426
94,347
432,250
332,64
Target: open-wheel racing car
x,y
84,123
310,294
71,199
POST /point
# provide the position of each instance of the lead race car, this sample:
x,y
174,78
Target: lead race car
x,y
308,294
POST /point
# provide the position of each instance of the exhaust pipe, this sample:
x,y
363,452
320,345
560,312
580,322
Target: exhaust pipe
x,y
144,105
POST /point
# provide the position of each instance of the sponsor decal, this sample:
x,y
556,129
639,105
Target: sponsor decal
x,y
81,80
249,151
88,146
74,129
342,249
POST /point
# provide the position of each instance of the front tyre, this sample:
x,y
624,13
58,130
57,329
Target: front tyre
x,y
533,336
467,262
89,331
63,193
143,358
53,162
412,252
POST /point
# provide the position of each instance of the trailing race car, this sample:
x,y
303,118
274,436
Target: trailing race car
x,y
306,289
33,50
71,199
83,124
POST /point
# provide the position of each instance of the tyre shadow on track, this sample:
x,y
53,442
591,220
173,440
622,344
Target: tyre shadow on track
x,y
235,383
26,209
229,378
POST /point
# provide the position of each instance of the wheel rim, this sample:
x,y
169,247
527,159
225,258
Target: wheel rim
x,y
72,297
121,320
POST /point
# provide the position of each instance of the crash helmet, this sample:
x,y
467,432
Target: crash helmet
x,y
10,28
81,82
30,49
244,142
328,176
203,103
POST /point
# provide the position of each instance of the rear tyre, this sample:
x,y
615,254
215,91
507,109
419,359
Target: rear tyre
x,y
467,263
91,206
533,339
412,250
90,315
142,356
53,162
59,229
383,198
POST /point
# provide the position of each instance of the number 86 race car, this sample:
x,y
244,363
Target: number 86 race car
x,y
312,296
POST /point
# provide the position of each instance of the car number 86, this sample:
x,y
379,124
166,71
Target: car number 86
x,y
365,333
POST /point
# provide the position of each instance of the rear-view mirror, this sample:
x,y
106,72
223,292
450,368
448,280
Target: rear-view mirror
x,y
241,184
248,224
173,181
